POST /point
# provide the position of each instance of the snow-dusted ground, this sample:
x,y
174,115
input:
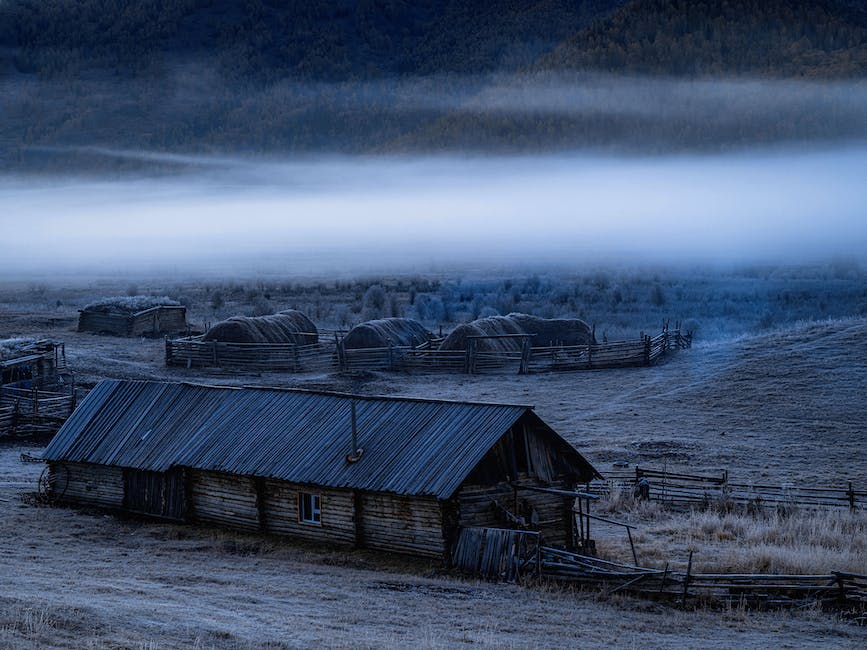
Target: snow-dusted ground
x,y
787,406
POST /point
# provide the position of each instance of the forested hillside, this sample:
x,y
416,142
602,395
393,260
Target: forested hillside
x,y
263,40
792,38
387,75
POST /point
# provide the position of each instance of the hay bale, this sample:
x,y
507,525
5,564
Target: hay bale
x,y
493,326
130,304
288,326
383,332
554,331
16,347
545,331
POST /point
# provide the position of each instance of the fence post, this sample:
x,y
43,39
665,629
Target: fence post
x,y
168,352
647,349
339,350
524,367
470,361
686,579
851,494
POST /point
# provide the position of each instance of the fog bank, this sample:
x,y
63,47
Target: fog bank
x,y
344,213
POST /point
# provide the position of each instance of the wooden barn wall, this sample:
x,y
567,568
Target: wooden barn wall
x,y
98,322
87,484
161,321
486,505
402,524
224,499
280,512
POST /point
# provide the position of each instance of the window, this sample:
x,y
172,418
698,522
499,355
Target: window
x,y
309,508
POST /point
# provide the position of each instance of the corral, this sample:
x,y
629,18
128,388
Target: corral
x,y
36,392
391,474
133,316
375,349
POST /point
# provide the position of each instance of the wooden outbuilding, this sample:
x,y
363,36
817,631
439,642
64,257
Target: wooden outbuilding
x,y
393,474
31,363
136,316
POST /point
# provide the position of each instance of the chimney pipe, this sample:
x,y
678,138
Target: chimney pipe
x,y
355,454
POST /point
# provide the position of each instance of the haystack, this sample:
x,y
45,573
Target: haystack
x,y
554,331
493,326
386,332
544,331
288,326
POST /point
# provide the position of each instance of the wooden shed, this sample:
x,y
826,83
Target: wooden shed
x,y
393,474
31,362
135,316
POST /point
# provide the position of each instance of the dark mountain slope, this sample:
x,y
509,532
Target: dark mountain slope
x,y
263,40
791,38
385,75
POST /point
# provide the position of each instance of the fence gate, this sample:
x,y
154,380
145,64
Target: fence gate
x,y
499,553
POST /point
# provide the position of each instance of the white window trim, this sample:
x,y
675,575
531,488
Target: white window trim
x,y
315,508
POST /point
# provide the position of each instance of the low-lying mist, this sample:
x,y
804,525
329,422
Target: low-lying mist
x,y
339,214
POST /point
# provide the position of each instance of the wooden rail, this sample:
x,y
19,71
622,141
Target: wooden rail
x,y
33,411
192,351
510,554
691,490
837,588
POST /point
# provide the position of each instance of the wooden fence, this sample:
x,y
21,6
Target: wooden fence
x,y
679,490
847,590
33,411
510,554
194,352
497,553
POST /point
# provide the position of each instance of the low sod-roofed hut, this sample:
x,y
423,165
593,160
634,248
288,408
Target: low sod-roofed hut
x,y
133,316
393,474
289,326
507,333
385,332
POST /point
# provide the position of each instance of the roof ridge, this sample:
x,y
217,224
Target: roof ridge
x,y
328,393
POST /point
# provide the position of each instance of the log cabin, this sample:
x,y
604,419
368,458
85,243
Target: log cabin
x,y
392,474
121,317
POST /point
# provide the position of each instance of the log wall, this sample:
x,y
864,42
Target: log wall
x,y
86,484
224,499
402,524
280,512
150,322
158,321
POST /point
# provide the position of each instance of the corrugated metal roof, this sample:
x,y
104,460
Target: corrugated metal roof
x,y
411,446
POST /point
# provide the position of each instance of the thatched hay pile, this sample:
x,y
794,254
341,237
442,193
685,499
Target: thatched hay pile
x,y
545,331
130,304
554,331
493,326
384,332
288,326
17,347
